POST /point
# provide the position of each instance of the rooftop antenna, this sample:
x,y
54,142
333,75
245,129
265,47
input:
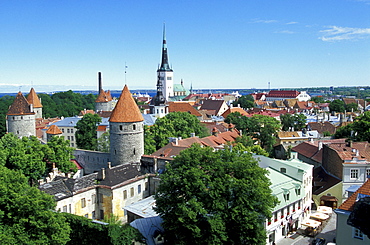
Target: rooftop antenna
x,y
125,73
269,85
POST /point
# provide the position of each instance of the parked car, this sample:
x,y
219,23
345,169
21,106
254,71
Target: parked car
x,y
319,241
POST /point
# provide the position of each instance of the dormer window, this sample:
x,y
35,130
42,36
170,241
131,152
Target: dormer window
x,y
283,170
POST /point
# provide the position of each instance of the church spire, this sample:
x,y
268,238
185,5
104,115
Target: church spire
x,y
164,65
159,98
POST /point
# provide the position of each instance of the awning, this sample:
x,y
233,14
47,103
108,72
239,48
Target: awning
x,y
320,216
311,223
324,209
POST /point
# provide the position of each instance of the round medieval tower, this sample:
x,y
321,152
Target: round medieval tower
x,y
126,131
20,119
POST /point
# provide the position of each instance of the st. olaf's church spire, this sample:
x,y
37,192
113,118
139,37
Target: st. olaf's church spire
x,y
165,72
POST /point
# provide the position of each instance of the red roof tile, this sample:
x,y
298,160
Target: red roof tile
x,y
33,99
183,107
350,202
126,109
20,106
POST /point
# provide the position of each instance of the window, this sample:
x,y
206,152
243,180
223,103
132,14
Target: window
x,y
132,191
298,191
286,197
72,130
93,215
120,127
125,194
368,173
68,137
70,208
83,202
134,127
358,234
72,144
283,170
146,186
169,78
65,208
93,198
63,130
354,173
68,130
101,214
71,137
138,189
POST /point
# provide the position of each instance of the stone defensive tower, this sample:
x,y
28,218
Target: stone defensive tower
x,y
20,119
126,131
53,131
34,100
104,100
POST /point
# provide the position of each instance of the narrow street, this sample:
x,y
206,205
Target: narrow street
x,y
328,233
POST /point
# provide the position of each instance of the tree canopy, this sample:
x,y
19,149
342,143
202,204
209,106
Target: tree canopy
x,y
260,127
208,197
174,124
86,137
245,101
292,122
34,159
337,106
359,130
26,215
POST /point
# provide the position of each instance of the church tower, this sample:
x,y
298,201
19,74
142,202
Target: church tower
x,y
165,73
158,105
20,119
126,125
34,100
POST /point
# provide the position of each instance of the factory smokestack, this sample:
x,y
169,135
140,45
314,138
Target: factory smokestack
x,y
99,82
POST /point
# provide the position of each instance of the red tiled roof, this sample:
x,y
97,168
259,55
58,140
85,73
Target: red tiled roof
x,y
20,106
183,107
33,99
346,152
283,93
126,109
234,109
102,128
54,130
84,112
350,202
103,97
322,127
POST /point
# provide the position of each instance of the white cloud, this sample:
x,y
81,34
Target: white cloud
x,y
292,23
337,33
263,21
285,32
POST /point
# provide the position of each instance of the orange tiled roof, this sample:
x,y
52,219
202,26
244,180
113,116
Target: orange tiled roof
x,y
103,97
234,109
350,202
126,109
33,99
84,112
20,106
183,107
53,129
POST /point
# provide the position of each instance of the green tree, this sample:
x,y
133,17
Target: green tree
x,y
26,215
5,102
104,142
337,106
318,99
60,153
86,137
174,124
246,143
295,121
208,197
241,122
245,101
352,107
265,129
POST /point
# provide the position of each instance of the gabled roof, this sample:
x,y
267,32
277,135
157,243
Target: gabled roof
x,y
126,109
20,106
183,107
33,99
212,105
350,202
54,130
290,102
234,109
322,127
322,180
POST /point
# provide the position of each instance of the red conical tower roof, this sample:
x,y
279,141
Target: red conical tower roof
x,y
102,97
126,109
33,99
54,129
20,106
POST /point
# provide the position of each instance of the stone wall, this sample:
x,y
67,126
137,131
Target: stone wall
x,y
21,125
91,161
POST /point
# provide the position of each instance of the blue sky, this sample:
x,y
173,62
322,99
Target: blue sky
x,y
211,44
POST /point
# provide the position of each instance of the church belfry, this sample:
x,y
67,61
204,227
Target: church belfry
x,y
165,73
158,105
